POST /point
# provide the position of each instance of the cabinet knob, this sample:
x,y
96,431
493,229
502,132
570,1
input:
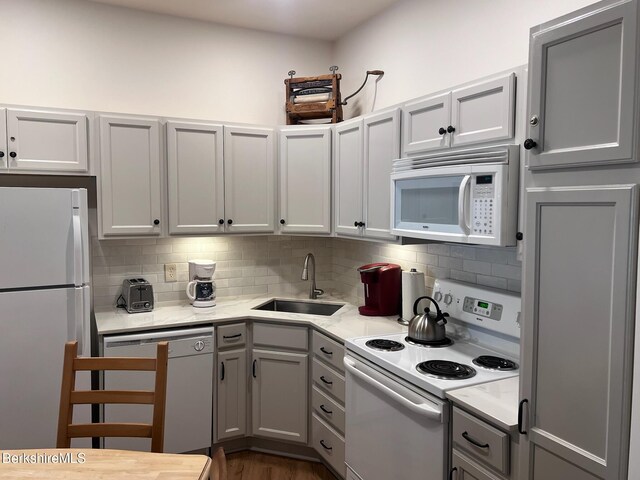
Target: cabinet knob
x,y
529,144
1,154
156,222
442,131
229,221
356,224
13,154
282,222
450,129
361,224
221,221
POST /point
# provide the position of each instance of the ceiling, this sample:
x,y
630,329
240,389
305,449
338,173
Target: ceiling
x,y
321,19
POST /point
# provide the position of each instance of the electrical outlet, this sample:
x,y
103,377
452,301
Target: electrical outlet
x,y
170,272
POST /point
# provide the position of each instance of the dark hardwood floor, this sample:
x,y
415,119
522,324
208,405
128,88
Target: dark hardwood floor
x,y
261,466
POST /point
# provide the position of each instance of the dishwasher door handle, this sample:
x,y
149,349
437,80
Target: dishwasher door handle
x,y
423,409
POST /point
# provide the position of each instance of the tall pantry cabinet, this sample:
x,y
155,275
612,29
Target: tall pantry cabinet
x,y
581,229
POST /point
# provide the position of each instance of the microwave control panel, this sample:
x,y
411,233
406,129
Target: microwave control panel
x,y
484,204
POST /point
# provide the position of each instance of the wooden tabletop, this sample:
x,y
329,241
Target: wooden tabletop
x,y
101,465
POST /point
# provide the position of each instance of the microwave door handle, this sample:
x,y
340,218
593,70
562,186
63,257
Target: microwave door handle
x,y
463,204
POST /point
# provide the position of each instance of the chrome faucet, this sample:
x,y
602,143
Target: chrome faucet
x,y
313,291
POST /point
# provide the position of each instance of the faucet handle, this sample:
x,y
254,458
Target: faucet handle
x,y
318,291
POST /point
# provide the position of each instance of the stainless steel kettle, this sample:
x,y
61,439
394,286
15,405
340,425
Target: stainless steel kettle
x,y
427,327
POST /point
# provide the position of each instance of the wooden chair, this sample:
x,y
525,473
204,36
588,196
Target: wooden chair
x,y
219,465
70,397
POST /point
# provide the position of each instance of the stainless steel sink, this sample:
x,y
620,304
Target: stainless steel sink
x,y
300,306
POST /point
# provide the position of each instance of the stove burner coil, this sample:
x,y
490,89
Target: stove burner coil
x,y
434,344
384,345
446,370
495,363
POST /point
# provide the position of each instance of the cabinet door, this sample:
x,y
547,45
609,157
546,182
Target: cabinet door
x,y
484,112
231,394
305,180
348,168
130,176
47,140
381,147
4,154
421,124
581,87
467,469
578,298
195,174
249,179
279,395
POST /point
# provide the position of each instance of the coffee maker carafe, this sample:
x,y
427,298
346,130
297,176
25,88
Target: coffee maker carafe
x,y
201,288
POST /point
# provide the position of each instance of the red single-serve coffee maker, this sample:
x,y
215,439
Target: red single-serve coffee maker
x,y
382,289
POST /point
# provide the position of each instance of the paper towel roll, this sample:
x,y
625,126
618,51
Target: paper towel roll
x,y
412,287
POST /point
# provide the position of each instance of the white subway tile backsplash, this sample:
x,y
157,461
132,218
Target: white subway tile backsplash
x,y
272,264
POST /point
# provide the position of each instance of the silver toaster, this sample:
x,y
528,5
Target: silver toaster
x,y
137,294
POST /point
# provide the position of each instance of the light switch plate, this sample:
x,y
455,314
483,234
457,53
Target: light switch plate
x,y
170,272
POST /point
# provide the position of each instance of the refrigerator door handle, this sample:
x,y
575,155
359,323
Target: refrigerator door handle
x,y
81,327
78,259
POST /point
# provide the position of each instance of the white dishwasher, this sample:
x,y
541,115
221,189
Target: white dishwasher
x,y
189,408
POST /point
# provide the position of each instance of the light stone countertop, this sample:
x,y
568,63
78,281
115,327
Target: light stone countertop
x,y
496,402
345,323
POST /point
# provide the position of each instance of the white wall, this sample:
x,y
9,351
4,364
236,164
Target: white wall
x,y
429,45
85,55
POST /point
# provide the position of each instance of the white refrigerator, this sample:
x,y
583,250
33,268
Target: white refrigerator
x,y
44,302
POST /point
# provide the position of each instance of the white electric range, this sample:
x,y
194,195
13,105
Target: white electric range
x,y
395,387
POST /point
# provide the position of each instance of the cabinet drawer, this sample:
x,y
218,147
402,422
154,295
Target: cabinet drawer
x,y
280,336
327,409
234,335
494,444
328,380
328,443
328,350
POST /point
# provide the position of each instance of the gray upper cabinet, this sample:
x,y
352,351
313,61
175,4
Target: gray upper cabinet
x,y
480,112
483,112
195,178
424,124
249,179
305,180
45,141
130,162
578,316
581,101
381,147
364,150
348,168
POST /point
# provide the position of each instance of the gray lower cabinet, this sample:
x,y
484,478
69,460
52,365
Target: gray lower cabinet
x,y
231,394
464,468
327,401
279,395
582,69
578,316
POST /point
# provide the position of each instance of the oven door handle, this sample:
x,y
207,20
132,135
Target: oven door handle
x,y
423,409
463,204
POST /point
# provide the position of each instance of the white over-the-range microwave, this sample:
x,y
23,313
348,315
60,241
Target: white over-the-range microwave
x,y
468,196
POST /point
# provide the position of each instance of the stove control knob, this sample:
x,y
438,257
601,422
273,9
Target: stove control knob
x,y
448,299
437,296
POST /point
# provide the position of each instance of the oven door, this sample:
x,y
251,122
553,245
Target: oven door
x,y
433,204
392,431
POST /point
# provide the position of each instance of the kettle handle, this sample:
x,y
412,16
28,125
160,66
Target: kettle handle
x,y
438,311
192,296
